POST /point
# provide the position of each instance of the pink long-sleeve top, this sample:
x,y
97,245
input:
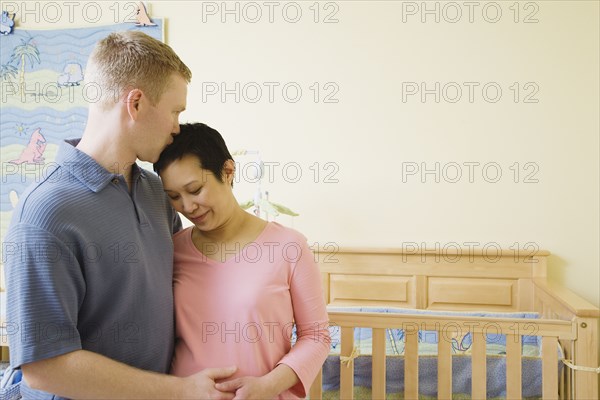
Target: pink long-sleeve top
x,y
241,311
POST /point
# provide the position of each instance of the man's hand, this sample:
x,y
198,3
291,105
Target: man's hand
x,y
82,374
202,384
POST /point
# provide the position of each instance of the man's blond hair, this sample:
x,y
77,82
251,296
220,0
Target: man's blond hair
x,y
132,59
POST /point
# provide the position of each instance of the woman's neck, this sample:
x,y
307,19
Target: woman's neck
x,y
235,234
231,230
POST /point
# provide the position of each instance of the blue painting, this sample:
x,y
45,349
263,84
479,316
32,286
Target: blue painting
x,y
44,100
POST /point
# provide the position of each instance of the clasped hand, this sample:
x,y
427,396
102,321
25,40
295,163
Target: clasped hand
x,y
246,388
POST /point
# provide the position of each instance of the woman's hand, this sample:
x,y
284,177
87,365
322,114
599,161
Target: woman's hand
x,y
265,387
202,384
249,388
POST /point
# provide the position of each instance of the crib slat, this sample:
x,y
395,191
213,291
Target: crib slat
x,y
444,367
316,389
478,366
411,365
549,367
513,366
347,370
378,371
568,373
561,386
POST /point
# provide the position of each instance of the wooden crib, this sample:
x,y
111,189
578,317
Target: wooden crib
x,y
498,281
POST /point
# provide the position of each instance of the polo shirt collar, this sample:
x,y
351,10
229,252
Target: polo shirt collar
x,y
87,170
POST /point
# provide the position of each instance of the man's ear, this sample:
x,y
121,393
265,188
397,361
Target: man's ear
x,y
132,102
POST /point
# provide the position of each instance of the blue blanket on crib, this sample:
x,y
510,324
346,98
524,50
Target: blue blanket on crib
x,y
461,358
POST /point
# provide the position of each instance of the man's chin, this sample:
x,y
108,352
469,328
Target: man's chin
x,y
150,159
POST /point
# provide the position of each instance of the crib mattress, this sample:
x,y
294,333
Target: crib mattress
x,y
427,349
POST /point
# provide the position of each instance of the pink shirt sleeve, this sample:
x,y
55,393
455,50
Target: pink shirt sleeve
x,y
310,315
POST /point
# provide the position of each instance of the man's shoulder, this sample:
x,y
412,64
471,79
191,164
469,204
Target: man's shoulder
x,y
152,182
49,196
150,176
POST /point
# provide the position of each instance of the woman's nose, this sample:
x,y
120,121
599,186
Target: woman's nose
x,y
189,206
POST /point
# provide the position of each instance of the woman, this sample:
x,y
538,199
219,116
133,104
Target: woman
x,y
240,283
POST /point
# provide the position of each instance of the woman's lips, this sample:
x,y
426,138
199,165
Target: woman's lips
x,y
199,219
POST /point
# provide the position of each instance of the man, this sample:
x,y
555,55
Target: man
x,y
89,250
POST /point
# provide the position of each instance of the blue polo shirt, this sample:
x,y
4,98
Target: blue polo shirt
x,y
89,266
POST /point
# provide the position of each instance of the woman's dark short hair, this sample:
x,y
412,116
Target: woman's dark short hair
x,y
200,140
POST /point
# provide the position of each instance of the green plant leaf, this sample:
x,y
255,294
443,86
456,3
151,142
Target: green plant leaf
x,y
247,205
284,210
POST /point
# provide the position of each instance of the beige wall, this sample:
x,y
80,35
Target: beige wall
x,y
370,132
367,61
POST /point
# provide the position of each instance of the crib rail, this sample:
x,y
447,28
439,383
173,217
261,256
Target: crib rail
x,y
550,331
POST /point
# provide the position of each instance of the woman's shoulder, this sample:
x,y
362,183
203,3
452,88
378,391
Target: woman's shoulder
x,y
278,231
182,236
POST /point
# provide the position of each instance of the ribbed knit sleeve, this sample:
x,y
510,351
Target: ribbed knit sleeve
x,y
312,346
